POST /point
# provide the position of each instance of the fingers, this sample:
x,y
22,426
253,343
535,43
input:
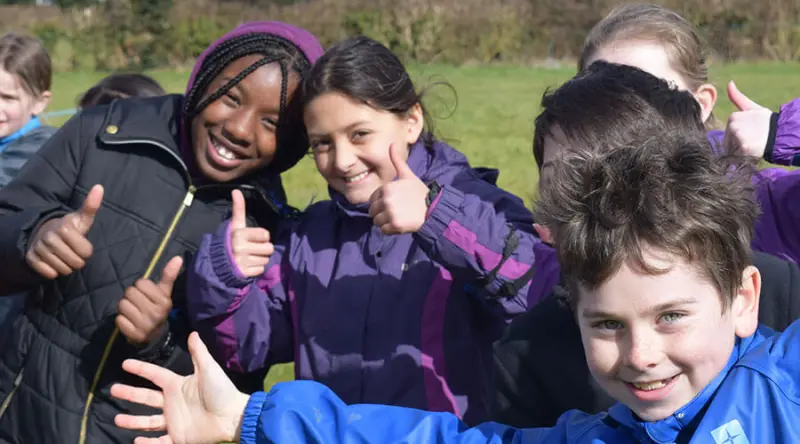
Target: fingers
x,y
129,329
159,376
138,395
40,266
51,259
239,215
170,274
252,249
154,423
54,241
89,209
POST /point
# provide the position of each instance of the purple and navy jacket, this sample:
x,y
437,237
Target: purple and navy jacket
x,y
405,320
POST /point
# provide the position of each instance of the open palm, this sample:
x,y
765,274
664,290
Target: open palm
x,y
204,407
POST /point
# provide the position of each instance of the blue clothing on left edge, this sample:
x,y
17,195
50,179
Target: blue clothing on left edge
x,y
754,400
15,150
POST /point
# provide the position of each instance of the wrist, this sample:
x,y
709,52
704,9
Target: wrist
x,y
233,420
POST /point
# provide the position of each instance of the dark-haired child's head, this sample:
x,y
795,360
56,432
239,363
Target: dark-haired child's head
x,y
25,76
239,107
358,101
609,105
120,86
653,237
659,41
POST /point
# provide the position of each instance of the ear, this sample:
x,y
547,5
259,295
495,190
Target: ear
x,y
706,96
415,123
544,233
40,103
744,309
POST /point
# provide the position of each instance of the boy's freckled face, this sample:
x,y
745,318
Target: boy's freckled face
x,y
654,342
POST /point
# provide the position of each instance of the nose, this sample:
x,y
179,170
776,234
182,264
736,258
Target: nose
x,y
239,128
344,157
643,350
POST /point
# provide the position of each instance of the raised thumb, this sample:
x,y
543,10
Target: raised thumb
x,y
741,101
202,359
170,274
400,163
89,209
239,215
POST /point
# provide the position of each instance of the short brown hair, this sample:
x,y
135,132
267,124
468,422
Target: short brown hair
x,y
668,192
26,58
613,103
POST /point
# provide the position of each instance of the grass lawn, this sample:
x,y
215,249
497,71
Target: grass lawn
x,y
492,122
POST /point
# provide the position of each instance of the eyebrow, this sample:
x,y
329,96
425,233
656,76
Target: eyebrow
x,y
667,306
238,85
347,128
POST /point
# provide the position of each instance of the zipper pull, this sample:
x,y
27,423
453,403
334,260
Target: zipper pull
x,y
187,200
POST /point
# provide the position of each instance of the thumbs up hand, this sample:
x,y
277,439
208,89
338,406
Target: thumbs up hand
x,y
399,206
748,128
144,309
251,247
59,246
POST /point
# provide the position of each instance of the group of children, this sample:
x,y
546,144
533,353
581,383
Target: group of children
x,y
154,216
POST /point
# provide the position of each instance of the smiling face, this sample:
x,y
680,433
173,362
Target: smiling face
x,y
351,140
235,134
654,342
17,105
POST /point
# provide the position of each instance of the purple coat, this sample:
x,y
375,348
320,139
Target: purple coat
x,y
403,320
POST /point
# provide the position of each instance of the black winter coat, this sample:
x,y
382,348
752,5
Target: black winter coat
x,y
58,366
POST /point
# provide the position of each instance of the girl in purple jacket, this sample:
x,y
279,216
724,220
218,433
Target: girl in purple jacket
x,y
393,291
661,42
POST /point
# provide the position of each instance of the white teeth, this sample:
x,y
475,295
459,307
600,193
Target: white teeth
x,y
357,177
224,152
648,386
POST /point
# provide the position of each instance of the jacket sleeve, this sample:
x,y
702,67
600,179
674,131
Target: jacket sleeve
x,y
783,143
247,321
306,411
775,229
484,236
41,191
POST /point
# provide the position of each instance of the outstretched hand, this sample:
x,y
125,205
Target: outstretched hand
x,y
204,407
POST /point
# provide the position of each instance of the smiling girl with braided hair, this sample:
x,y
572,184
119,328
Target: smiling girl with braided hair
x,y
97,226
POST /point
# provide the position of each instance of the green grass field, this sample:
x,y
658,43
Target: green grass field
x,y
492,122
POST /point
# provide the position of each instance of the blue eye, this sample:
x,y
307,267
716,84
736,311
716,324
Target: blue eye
x,y
607,324
671,318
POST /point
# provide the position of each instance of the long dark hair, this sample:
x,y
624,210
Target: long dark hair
x,y
365,70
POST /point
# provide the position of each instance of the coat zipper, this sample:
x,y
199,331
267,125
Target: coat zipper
x,y
17,382
187,202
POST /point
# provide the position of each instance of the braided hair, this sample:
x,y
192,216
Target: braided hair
x,y
275,50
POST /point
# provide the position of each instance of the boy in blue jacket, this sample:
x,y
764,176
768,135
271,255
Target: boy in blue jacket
x,y
654,241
